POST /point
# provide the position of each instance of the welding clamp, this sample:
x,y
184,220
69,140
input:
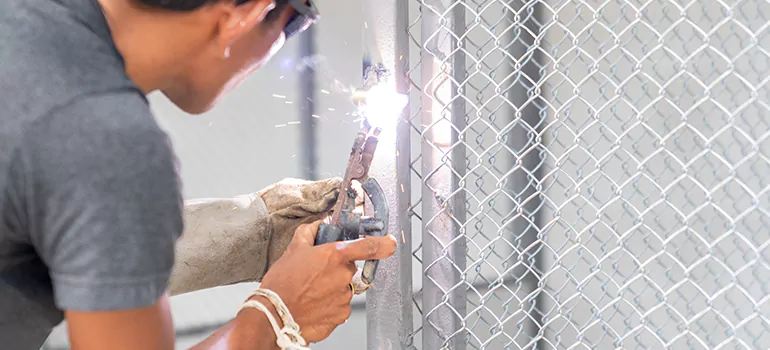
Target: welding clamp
x,y
347,224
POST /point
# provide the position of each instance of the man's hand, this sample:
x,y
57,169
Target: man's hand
x,y
314,281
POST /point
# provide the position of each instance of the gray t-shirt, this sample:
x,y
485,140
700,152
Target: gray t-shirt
x,y
90,203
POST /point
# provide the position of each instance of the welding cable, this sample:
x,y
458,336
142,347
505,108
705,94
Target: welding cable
x,y
288,337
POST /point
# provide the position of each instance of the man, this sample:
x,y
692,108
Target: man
x,y
90,205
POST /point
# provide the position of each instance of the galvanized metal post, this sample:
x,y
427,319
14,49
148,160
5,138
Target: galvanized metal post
x,y
443,164
389,302
524,135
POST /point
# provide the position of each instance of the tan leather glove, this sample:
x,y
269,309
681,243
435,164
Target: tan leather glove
x,y
234,240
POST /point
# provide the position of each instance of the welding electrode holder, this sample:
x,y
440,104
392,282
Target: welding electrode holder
x,y
346,224
354,225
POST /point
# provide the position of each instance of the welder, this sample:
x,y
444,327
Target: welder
x,y
93,227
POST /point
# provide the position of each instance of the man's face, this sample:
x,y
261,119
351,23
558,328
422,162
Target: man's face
x,y
237,49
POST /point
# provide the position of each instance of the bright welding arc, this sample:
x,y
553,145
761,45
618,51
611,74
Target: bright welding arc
x,y
382,105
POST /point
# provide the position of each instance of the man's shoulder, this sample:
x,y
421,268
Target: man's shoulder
x,y
52,53
115,123
117,109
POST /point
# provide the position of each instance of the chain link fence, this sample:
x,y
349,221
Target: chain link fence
x,y
593,174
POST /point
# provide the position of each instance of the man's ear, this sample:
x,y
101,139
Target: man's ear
x,y
240,19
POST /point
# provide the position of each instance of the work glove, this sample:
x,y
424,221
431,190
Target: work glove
x,y
233,240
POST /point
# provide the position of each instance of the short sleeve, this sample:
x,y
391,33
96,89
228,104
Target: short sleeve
x,y
105,202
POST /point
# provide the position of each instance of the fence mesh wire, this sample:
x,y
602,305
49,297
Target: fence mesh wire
x,y
602,168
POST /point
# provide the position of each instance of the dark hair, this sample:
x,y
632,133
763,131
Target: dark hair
x,y
190,5
186,5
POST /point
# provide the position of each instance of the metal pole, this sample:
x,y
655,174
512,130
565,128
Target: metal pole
x,y
307,88
524,183
443,206
389,302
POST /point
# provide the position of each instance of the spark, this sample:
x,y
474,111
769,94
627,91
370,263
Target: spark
x,y
400,57
280,125
281,77
332,109
235,208
288,102
403,237
366,25
279,96
324,91
315,116
293,123
402,188
398,154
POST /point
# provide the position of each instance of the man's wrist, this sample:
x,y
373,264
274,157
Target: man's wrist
x,y
254,322
249,330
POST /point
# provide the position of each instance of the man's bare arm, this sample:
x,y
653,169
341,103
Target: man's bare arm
x,y
150,328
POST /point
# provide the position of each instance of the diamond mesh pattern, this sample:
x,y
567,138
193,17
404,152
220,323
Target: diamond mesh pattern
x,y
612,161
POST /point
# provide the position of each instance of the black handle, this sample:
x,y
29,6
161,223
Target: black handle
x,y
328,234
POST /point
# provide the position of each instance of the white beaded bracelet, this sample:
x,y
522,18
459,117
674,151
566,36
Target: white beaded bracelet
x,y
288,337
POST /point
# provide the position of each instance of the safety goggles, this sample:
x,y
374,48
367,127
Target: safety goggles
x,y
305,14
